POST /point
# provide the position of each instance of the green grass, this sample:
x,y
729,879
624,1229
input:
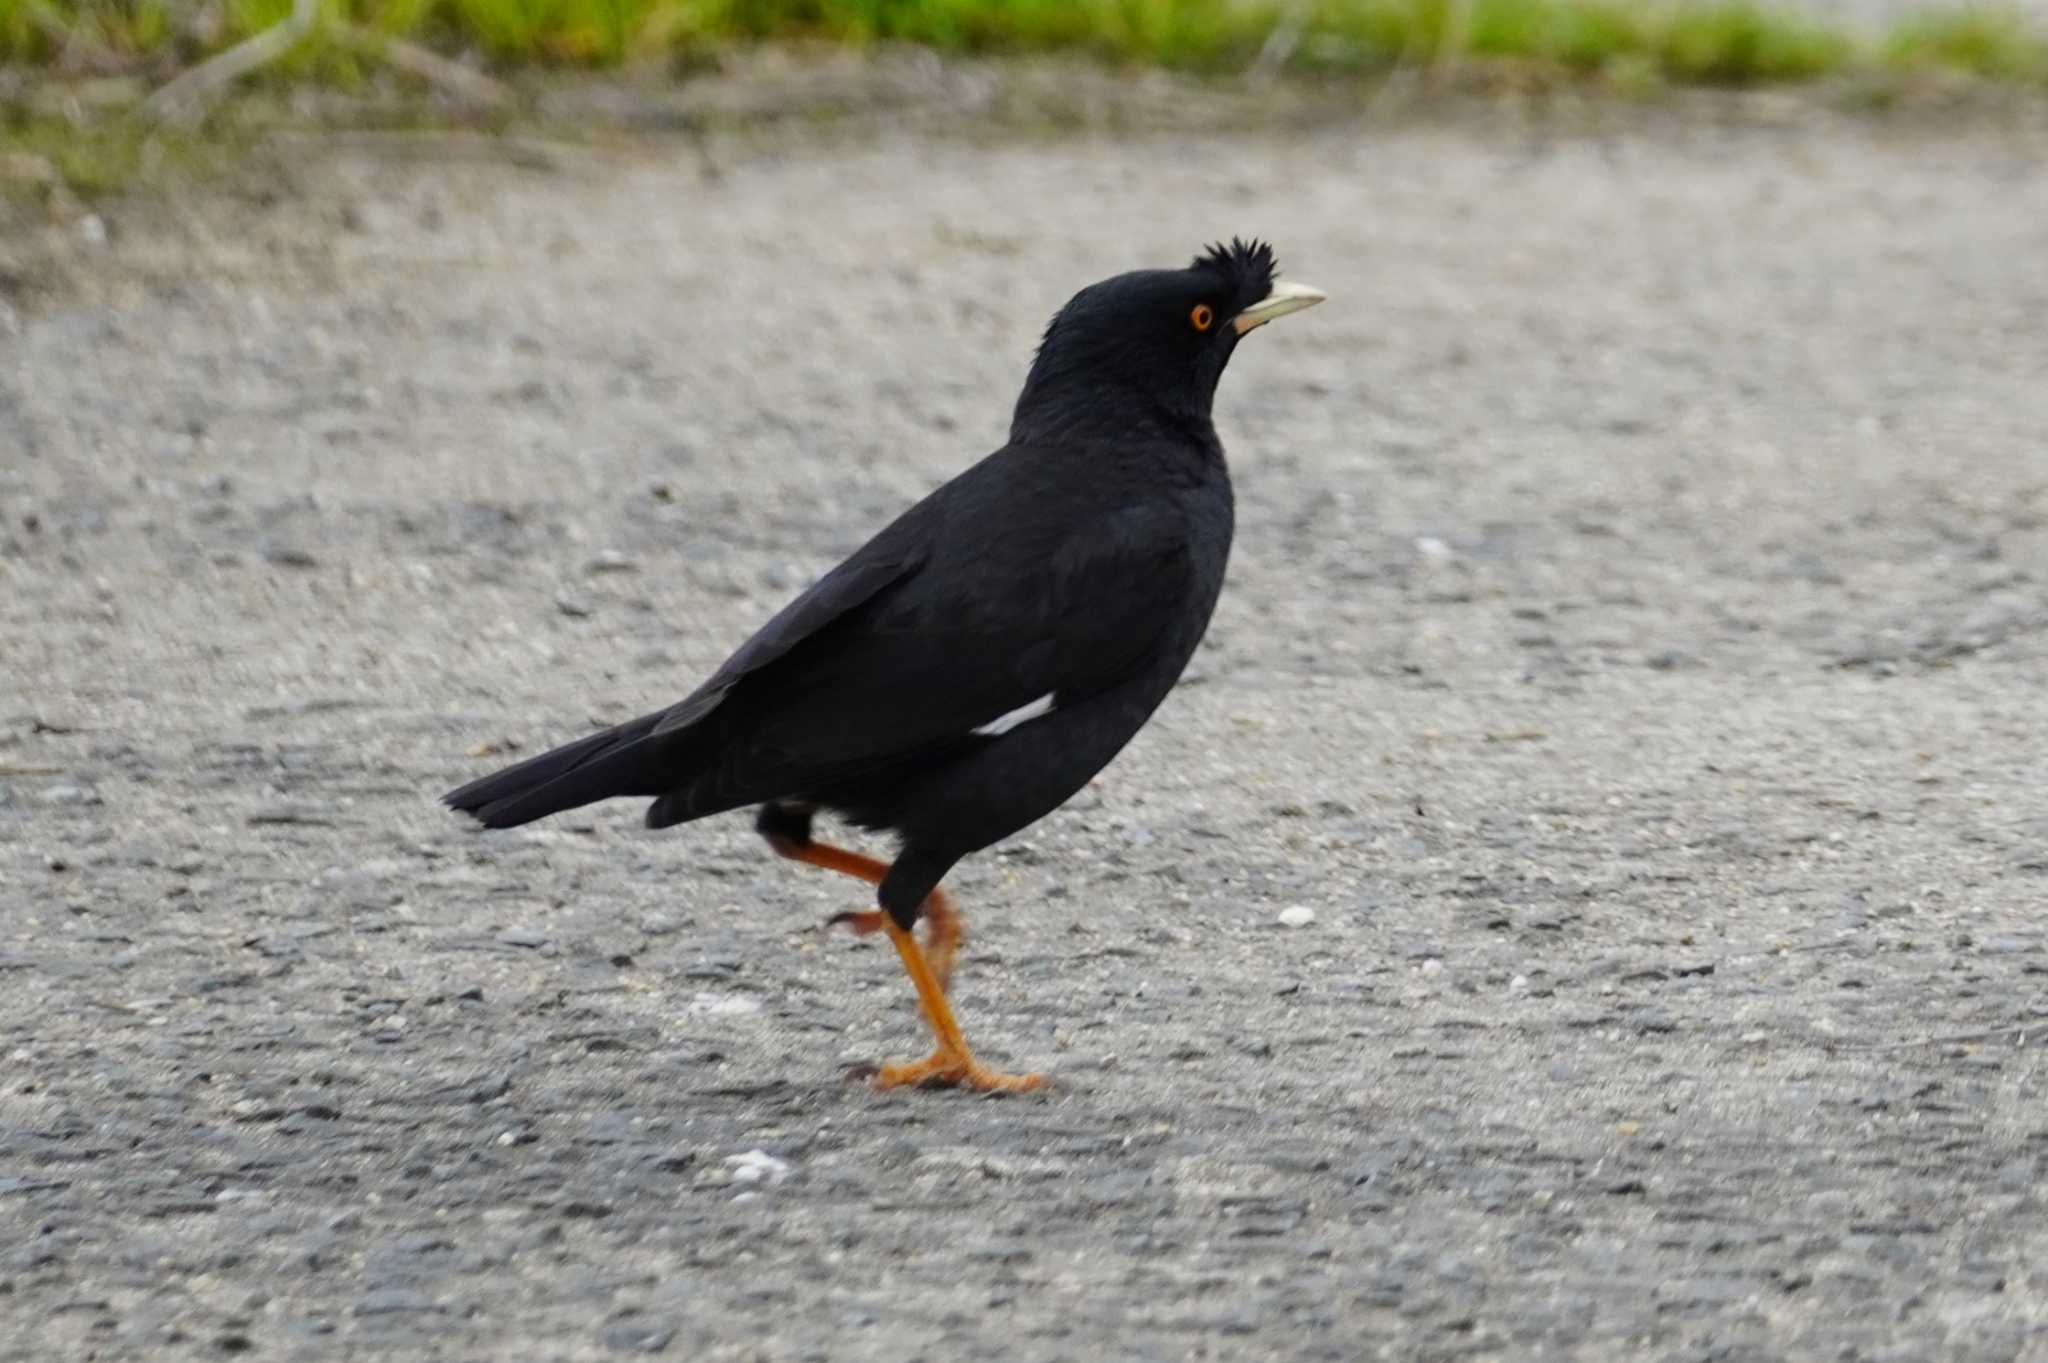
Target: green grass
x,y
1983,41
1632,48
1633,42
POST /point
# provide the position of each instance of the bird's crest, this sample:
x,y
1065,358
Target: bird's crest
x,y
1247,267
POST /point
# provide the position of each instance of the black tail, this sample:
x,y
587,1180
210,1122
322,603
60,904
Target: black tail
x,y
630,759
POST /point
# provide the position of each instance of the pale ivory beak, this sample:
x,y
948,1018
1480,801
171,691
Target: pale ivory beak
x,y
1286,297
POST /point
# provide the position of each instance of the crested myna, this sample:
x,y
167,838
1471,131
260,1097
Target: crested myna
x,y
973,665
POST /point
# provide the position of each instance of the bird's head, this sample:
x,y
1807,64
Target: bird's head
x,y
1149,346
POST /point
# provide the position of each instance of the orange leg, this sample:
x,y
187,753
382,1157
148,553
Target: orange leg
x,y
950,1062
944,931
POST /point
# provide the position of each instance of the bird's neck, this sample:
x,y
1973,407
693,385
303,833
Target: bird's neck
x,y
1105,410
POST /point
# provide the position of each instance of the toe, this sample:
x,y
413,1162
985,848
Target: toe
x,y
932,1067
995,1081
954,1071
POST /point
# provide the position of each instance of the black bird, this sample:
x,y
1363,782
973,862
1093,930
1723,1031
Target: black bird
x,y
973,665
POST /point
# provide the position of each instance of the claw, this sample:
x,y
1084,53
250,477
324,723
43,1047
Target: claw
x,y
942,932
862,922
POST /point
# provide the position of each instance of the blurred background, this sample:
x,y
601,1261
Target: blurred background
x,y
96,94
93,60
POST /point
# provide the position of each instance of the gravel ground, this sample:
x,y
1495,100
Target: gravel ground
x,y
1633,661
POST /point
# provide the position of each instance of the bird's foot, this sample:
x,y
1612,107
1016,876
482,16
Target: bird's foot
x,y
955,1069
861,923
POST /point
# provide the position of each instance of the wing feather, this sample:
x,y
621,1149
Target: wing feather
x,y
943,653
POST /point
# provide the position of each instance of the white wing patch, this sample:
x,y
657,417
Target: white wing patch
x,y
1023,714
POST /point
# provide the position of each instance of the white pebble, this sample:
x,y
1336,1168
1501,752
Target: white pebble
x,y
758,1166
1432,966
1297,916
724,1005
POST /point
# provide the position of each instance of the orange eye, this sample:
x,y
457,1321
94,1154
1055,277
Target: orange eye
x,y
1203,317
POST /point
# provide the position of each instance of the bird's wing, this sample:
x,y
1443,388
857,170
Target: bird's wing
x,y
1013,614
647,755
846,588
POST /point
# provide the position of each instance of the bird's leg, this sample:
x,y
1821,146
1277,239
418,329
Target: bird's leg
x,y
788,832
944,929
951,1062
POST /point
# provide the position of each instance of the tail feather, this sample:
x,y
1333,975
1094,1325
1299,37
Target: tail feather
x,y
630,759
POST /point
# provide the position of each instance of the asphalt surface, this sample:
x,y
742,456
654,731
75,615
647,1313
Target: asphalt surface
x,y
1633,661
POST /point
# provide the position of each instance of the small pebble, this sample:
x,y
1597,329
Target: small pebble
x,y
638,1339
724,1005
1297,916
758,1166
